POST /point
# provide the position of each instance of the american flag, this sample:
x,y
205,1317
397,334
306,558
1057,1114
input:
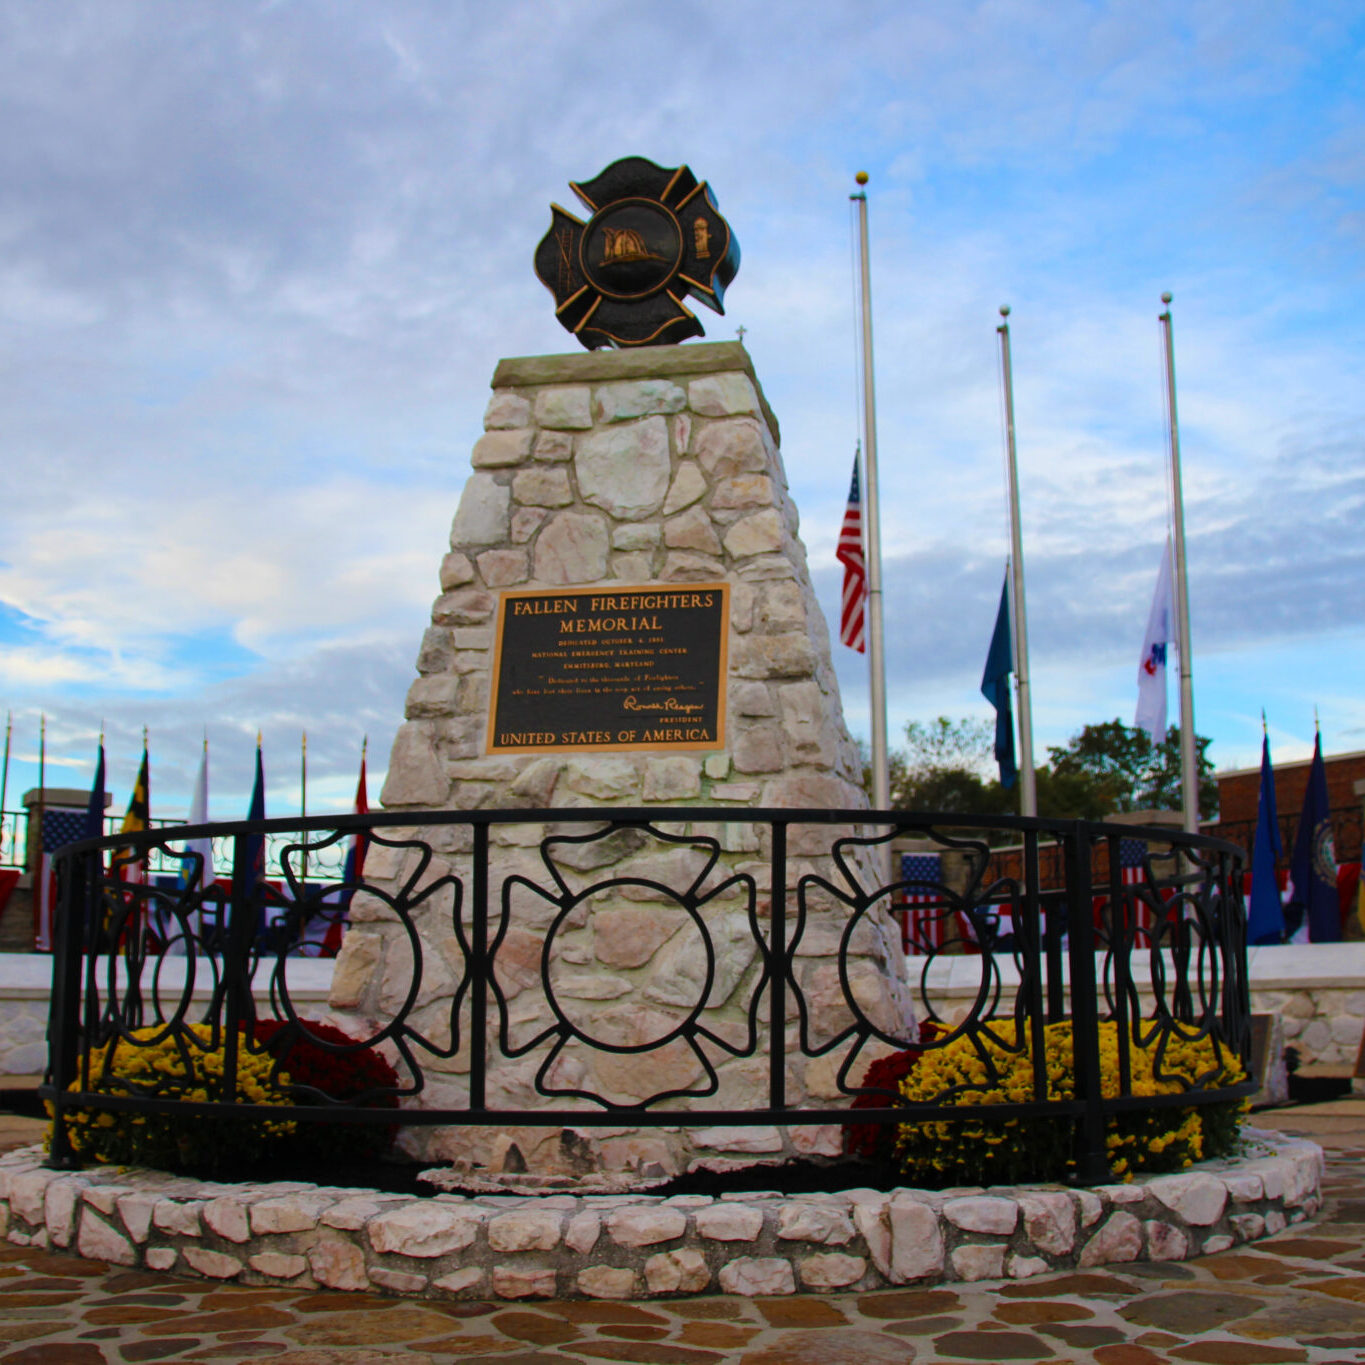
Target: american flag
x,y
853,609
60,826
922,917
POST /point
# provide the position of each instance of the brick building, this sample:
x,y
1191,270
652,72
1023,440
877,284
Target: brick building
x,y
1239,794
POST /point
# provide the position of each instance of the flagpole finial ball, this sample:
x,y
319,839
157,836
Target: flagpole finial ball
x,y
1167,297
861,177
1004,310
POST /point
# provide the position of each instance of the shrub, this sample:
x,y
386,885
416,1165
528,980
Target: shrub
x,y
987,1150
339,1076
186,1065
875,1142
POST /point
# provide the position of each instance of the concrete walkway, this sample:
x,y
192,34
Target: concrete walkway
x,y
1299,1296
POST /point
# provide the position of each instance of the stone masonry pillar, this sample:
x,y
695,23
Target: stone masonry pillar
x,y
655,466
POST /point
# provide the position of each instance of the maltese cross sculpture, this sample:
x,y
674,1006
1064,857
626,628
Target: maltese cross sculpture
x,y
654,236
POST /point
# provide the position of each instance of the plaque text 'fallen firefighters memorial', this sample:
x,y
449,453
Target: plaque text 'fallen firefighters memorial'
x,y
602,669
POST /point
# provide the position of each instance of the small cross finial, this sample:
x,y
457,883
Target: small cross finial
x,y
739,332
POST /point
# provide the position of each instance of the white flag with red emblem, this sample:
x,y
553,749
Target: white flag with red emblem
x,y
853,609
1161,633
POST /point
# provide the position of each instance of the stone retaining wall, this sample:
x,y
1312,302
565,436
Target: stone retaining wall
x,y
641,1246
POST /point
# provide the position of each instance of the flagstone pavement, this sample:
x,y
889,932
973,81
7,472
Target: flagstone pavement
x,y
1299,1296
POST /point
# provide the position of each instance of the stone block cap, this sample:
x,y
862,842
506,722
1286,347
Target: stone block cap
x,y
643,362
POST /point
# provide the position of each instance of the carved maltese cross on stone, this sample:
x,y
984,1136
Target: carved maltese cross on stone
x,y
654,236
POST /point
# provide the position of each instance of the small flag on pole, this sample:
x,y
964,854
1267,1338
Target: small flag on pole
x,y
853,608
197,872
995,687
354,870
1161,632
1313,868
1265,915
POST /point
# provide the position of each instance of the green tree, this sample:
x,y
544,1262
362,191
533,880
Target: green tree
x,y
1104,770
1126,771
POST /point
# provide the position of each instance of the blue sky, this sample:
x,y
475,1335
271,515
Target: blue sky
x,y
257,264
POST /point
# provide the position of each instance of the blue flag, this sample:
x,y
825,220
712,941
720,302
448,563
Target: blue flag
x,y
1265,916
995,687
254,873
94,812
1314,865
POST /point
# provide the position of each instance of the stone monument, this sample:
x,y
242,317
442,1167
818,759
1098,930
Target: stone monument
x,y
626,619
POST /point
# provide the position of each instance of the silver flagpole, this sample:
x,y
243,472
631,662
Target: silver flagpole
x,y
1189,767
881,781
1028,787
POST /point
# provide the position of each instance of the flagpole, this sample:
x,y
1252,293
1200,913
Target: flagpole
x,y
40,873
303,802
1028,787
881,781
4,781
1189,766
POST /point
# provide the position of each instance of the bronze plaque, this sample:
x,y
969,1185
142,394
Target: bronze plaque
x,y
610,669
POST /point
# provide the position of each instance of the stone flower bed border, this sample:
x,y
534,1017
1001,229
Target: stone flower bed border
x,y
643,1246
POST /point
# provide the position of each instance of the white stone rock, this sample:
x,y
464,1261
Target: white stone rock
x,y
606,1282
982,1213
638,398
979,1261
528,1229
424,1229
641,1227
722,395
510,1282
916,1239
28,1195
180,1219
753,1276
675,778
506,409
484,514
1092,1209
1248,1226
1197,1197
757,534
97,1241
281,1265
677,1272
338,1263
227,1217
728,1223
543,487
290,1213
456,571
831,1270
1213,1245
582,1232
1022,1267
1275,1222
415,776
566,407
724,449
689,486
136,1212
1119,1239
398,1281
503,568
1165,1241
161,1258
1049,1221
802,1221
60,1202
572,549
499,449
471,1277
1244,1189
625,470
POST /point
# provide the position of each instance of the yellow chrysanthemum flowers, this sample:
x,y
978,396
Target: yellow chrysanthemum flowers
x,y
983,1070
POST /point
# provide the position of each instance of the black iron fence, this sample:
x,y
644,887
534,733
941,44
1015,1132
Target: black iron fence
x,y
774,917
